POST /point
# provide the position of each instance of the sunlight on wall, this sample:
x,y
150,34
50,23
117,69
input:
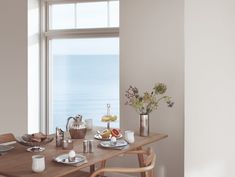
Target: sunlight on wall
x,y
33,66
210,169
209,88
161,171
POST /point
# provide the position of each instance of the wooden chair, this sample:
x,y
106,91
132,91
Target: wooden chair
x,y
148,165
8,137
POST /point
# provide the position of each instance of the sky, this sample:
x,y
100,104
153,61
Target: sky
x,y
85,46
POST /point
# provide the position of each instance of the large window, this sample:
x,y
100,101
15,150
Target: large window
x,y
82,60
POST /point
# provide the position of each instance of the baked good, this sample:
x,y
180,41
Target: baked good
x,y
38,137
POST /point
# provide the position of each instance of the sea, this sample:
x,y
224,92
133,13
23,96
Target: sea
x,y
84,84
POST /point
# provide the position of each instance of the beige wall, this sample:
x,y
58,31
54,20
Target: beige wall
x,y
151,38
210,88
13,66
152,50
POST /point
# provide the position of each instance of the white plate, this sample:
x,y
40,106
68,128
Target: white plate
x,y
64,158
5,148
108,144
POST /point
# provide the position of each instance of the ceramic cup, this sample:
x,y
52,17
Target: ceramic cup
x,y
38,163
130,136
89,123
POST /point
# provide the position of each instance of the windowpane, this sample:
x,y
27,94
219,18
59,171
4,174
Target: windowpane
x,y
92,15
85,79
114,13
62,16
84,15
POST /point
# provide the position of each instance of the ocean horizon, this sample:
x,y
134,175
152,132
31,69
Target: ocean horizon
x,y
85,84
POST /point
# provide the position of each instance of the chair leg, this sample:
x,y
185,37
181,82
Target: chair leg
x,y
92,168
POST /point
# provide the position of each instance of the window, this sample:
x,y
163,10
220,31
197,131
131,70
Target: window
x,y
84,15
81,61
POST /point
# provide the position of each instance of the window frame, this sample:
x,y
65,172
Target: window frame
x,y
48,34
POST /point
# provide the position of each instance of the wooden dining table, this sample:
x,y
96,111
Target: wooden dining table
x,y
18,162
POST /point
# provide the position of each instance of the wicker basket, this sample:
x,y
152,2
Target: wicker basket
x,y
77,133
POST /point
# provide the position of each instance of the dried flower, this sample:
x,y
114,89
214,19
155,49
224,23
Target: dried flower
x,y
149,101
160,88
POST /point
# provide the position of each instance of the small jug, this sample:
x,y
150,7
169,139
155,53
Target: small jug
x,y
76,127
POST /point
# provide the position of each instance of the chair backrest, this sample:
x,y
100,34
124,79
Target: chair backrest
x,y
8,137
148,162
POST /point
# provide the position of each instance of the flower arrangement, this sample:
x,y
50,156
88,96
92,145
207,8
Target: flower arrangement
x,y
146,103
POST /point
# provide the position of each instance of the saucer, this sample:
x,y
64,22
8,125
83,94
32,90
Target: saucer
x,y
109,144
35,149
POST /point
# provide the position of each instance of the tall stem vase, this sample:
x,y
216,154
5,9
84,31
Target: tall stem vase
x,y
144,125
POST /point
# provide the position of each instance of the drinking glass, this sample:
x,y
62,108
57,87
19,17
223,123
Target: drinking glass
x,y
130,136
89,123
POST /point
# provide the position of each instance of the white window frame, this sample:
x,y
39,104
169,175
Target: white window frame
x,y
46,35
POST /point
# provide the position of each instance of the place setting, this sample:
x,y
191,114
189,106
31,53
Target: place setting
x,y
71,158
114,142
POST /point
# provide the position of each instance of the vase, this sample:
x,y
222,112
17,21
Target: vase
x,y
144,125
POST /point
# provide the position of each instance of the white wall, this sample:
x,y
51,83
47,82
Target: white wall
x,y
13,66
210,88
152,50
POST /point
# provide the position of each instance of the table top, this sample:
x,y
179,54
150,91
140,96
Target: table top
x,y
18,162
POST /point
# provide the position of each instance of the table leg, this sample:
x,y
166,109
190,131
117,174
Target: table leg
x,y
141,161
151,173
92,168
102,165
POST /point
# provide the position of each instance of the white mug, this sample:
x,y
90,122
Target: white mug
x,y
38,163
130,136
89,123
